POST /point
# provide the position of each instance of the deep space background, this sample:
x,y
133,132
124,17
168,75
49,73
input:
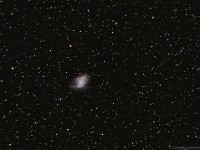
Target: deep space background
x,y
143,61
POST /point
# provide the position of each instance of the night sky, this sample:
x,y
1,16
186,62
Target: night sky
x,y
140,60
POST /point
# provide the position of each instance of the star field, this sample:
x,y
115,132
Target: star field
x,y
142,59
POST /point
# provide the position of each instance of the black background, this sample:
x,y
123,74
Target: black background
x,y
143,62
